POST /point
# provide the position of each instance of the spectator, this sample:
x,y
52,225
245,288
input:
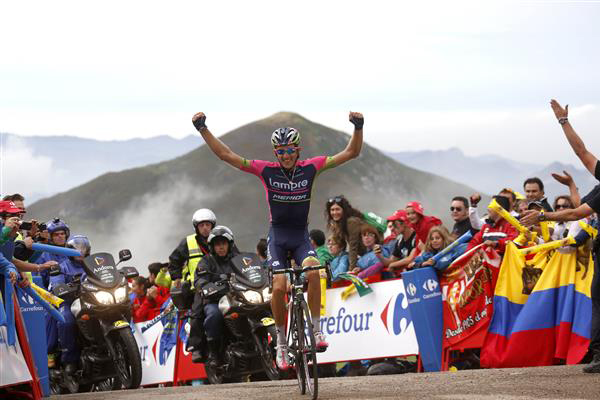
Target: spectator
x,y
317,239
339,263
144,306
568,181
496,231
437,240
345,222
372,262
521,206
459,211
390,233
419,222
159,281
477,222
563,229
534,190
405,247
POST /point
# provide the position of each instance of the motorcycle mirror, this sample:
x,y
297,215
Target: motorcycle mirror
x,y
124,255
55,270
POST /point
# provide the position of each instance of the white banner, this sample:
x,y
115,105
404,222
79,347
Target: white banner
x,y
157,350
13,367
374,326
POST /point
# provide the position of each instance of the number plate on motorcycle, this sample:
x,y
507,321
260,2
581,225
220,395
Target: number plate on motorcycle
x,y
267,321
119,324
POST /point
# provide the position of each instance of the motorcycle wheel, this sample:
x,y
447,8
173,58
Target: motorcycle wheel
x,y
127,359
267,353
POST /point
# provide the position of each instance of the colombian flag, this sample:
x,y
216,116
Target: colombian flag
x,y
542,310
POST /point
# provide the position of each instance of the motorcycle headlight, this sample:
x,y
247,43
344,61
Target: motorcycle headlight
x,y
103,297
252,297
121,294
266,295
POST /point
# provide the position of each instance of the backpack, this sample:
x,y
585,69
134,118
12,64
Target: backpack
x,y
375,221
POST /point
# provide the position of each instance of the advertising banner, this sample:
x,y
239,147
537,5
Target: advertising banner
x,y
374,326
13,367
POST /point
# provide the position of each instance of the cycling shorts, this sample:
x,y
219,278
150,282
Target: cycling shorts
x,y
283,240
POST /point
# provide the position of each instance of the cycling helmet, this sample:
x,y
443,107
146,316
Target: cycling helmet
x,y
204,214
56,225
80,243
285,137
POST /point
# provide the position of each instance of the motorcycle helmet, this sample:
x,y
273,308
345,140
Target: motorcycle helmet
x,y
204,214
220,231
56,225
80,243
285,137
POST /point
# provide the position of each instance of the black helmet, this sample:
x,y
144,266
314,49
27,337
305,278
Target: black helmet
x,y
220,231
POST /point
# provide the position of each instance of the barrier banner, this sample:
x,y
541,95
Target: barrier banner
x,y
467,293
378,325
156,340
186,370
425,303
13,367
35,322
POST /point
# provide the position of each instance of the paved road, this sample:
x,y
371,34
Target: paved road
x,y
560,383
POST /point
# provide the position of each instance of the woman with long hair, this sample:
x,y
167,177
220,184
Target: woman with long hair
x,y
438,239
345,222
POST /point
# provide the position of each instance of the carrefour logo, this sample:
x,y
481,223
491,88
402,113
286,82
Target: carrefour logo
x,y
396,318
411,289
430,285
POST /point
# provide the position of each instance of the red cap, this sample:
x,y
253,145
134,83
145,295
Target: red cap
x,y
398,215
9,207
418,207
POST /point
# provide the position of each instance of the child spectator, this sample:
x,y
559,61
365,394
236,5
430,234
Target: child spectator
x,y
339,263
317,239
372,262
437,240
420,222
144,306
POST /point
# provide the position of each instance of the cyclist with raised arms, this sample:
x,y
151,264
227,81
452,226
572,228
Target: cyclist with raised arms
x,y
288,184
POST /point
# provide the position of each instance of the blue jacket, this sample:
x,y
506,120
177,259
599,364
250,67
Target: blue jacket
x,y
339,265
369,259
45,274
68,269
443,262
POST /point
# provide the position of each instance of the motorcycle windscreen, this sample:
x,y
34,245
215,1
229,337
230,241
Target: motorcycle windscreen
x,y
249,270
101,270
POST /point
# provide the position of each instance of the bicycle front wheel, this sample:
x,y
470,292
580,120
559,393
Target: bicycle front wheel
x,y
307,348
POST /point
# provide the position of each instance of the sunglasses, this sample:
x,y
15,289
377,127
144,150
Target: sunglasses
x,y
456,209
336,200
283,151
559,206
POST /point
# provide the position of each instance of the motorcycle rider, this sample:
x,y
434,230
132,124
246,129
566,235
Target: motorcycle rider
x,y
222,250
67,331
183,262
59,234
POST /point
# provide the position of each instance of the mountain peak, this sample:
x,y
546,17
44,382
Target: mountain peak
x,y
285,117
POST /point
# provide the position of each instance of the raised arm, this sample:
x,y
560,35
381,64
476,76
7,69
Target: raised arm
x,y
352,150
567,180
587,158
220,149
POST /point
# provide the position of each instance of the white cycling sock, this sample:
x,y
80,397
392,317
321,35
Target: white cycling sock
x,y
281,335
316,321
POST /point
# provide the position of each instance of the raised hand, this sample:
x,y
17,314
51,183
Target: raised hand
x,y
559,111
565,179
357,119
199,120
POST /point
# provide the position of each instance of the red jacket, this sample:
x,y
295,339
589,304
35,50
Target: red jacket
x,y
506,232
422,227
147,309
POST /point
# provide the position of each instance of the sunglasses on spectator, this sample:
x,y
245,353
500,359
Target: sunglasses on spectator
x,y
456,209
559,206
336,200
283,151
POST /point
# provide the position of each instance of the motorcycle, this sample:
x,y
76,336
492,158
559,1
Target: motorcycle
x,y
100,303
249,338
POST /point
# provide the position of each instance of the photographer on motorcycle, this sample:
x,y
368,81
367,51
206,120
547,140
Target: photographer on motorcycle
x,y
183,262
222,250
66,332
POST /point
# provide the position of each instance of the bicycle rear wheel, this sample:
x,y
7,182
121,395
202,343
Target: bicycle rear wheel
x,y
308,350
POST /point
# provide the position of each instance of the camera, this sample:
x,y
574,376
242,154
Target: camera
x,y
26,226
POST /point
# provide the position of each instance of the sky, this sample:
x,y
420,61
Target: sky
x,y
429,75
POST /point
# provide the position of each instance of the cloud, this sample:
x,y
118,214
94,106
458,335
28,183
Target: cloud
x,y
21,171
150,226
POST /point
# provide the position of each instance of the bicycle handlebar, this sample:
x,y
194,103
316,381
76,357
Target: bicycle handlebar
x,y
299,270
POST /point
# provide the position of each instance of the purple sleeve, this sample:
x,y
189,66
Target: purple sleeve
x,y
254,167
372,270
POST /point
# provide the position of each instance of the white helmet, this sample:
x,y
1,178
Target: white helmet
x,y
204,214
285,137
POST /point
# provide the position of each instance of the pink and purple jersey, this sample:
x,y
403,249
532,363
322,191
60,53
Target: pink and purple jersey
x,y
288,195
